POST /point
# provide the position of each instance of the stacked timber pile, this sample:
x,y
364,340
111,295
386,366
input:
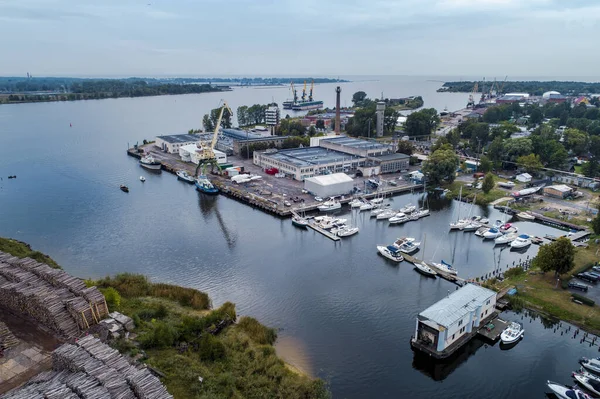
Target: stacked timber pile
x,y
52,297
93,370
7,339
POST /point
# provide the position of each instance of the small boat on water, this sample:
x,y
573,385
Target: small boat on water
x,y
408,208
459,224
330,205
149,162
390,252
445,267
124,188
506,227
512,333
347,231
205,186
408,247
421,213
592,365
473,225
525,216
505,239
183,175
142,179
300,221
521,241
386,214
492,233
591,384
398,218
422,268
564,392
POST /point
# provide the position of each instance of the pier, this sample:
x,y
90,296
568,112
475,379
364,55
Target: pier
x,y
326,233
492,330
443,274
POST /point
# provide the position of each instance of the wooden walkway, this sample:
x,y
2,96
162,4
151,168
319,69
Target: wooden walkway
x,y
556,222
494,333
445,275
326,233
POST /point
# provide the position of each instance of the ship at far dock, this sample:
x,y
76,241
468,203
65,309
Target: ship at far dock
x,y
303,104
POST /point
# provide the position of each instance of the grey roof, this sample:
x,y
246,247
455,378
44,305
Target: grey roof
x,y
311,156
457,305
356,143
180,138
240,134
391,157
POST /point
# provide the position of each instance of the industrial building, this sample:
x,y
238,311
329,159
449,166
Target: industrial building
x,y
272,116
173,143
558,191
302,163
449,323
329,185
361,148
190,153
391,163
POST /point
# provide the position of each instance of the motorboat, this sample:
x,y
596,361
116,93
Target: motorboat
x,y
339,222
402,240
421,213
484,220
564,392
366,206
471,226
408,208
505,227
183,175
512,333
592,365
355,203
347,231
506,184
386,214
521,241
591,384
424,269
205,186
329,205
390,252
505,239
481,231
149,162
525,216
408,247
124,188
299,221
377,201
445,267
459,224
492,233
583,372
398,218
142,179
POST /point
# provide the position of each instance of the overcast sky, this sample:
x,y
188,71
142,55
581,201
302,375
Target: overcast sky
x,y
300,37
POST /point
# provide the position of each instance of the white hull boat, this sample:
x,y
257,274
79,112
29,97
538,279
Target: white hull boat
x,y
424,269
386,214
149,162
142,179
445,267
408,208
398,218
505,239
512,333
421,213
366,206
330,205
356,203
347,231
591,384
390,252
521,241
592,365
458,225
492,233
525,216
473,226
564,392
408,247
185,176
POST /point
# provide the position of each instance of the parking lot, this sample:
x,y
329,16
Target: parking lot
x,y
593,291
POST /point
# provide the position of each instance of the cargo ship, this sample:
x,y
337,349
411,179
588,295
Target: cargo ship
x,y
304,104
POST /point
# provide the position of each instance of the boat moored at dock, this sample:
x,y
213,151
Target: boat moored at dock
x,y
512,333
521,241
589,383
525,216
445,267
150,163
185,176
390,252
492,233
564,392
330,205
205,186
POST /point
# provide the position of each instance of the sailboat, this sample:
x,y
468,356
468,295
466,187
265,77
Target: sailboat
x,y
460,223
421,266
347,231
472,224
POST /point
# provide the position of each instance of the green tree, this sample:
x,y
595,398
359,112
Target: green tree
x,y
405,147
441,165
485,165
320,124
536,116
290,127
207,123
225,121
591,168
312,131
421,123
242,115
576,140
596,223
453,137
390,118
358,98
595,146
364,119
531,163
558,256
488,183
514,148
113,298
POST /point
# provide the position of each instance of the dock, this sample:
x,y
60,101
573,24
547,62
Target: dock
x,y
326,233
443,274
492,330
561,224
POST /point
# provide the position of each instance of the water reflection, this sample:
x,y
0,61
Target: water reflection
x,y
208,207
439,370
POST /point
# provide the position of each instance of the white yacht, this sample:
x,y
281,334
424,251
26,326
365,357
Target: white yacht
x,y
459,224
512,333
330,205
424,269
398,218
589,382
505,239
471,226
149,162
390,252
408,208
445,267
356,203
347,231
421,213
378,210
526,216
521,241
366,206
564,392
386,214
142,179
492,233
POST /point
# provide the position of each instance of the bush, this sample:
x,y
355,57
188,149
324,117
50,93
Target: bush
x,y
514,272
583,299
185,296
129,285
161,312
163,335
256,331
113,299
211,348
516,302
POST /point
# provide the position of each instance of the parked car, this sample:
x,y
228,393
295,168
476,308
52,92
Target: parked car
x,y
587,277
319,199
578,286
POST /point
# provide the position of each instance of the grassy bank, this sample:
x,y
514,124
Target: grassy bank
x,y
178,334
470,192
23,250
542,292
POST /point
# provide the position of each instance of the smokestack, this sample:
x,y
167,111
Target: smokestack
x,y
338,90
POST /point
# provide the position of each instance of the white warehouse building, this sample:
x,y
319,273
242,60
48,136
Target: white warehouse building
x,y
458,315
173,143
190,153
329,185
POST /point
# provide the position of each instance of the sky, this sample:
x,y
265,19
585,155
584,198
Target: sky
x,y
299,37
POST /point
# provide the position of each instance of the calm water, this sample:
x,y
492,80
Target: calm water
x,y
344,313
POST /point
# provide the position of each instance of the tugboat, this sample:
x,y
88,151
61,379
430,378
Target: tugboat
x,y
205,186
149,162
124,188
142,179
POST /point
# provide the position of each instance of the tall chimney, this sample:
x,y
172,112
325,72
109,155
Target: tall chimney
x,y
338,90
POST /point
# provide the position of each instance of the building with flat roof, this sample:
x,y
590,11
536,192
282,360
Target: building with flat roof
x,y
448,324
329,185
391,163
272,116
172,143
358,147
302,163
190,153
558,191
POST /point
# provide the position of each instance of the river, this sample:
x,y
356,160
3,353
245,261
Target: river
x,y
343,313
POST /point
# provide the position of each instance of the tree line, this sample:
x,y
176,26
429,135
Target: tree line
x,y
532,87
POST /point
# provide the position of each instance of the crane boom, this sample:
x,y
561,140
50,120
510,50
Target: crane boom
x,y
213,142
312,85
304,92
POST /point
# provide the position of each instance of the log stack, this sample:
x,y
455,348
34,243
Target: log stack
x,y
7,339
52,297
91,369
